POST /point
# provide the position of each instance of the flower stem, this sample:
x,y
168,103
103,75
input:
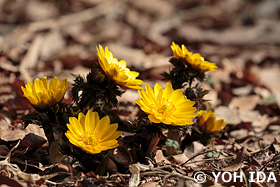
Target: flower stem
x,y
190,83
173,134
48,127
153,143
49,133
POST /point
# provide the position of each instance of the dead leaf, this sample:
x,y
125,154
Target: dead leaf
x,y
212,96
135,170
159,158
4,150
239,134
35,178
151,7
230,116
238,161
270,77
263,92
245,103
79,33
55,151
234,35
33,141
10,133
77,55
242,91
6,181
194,148
180,158
38,10
121,155
52,44
259,122
133,57
150,184
112,30
31,58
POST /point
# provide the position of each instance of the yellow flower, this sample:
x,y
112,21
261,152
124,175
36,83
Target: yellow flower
x,y
166,106
91,134
196,61
180,53
44,94
207,121
117,70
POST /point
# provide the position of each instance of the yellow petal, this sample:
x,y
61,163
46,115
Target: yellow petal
x,y
45,82
74,131
123,64
82,118
168,90
150,92
176,96
157,89
111,129
153,119
108,143
76,125
114,136
90,120
54,82
102,124
72,139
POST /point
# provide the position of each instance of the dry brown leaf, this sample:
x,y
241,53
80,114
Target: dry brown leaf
x,y
138,20
195,147
53,43
159,158
239,134
158,28
242,91
270,77
135,170
259,122
31,58
112,30
76,55
245,103
180,158
234,35
40,10
11,133
212,96
4,150
133,57
230,116
238,162
6,182
79,33
33,141
152,7
150,184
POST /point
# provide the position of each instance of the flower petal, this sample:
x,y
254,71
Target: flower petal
x,y
102,125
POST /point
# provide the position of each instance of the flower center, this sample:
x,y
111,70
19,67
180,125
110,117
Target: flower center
x,y
114,72
116,69
164,107
91,138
